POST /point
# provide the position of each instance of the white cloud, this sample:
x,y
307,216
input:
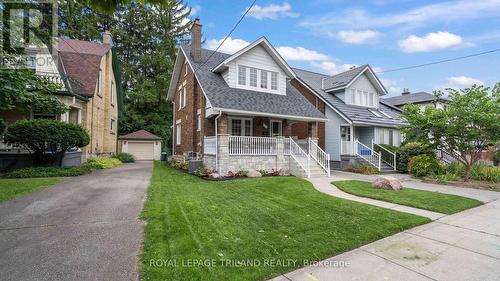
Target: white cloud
x,y
272,11
391,86
195,10
430,42
460,82
300,54
445,12
230,46
356,36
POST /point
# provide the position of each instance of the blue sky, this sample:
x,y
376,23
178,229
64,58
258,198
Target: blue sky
x,y
329,36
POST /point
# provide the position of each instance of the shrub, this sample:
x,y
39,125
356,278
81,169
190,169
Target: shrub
x,y
103,163
484,172
423,165
496,157
365,169
45,172
42,135
203,172
409,150
179,165
389,147
445,177
241,173
125,157
263,172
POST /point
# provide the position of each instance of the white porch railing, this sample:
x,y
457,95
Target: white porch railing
x,y
318,155
346,147
242,145
301,157
445,157
209,145
368,154
386,155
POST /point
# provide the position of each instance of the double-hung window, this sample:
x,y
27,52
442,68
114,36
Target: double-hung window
x,y
274,80
263,79
178,133
242,75
253,77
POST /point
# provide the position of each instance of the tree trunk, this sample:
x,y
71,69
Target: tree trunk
x,y
468,169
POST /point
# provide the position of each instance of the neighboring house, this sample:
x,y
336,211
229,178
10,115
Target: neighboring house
x,y
237,111
421,99
358,120
89,74
141,144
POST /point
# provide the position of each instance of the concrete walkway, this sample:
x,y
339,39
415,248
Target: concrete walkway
x,y
324,185
463,246
86,228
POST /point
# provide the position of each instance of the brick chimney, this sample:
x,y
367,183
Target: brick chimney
x,y
196,39
406,91
107,38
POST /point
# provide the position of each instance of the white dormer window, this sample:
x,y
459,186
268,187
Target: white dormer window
x,y
253,77
363,97
242,75
263,79
274,80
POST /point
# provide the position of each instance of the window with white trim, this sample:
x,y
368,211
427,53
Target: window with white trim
x,y
99,83
185,68
240,126
112,126
362,97
113,93
253,77
198,122
242,75
178,134
182,97
263,79
274,80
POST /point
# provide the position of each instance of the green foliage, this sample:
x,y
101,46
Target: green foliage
x,y
37,136
179,165
484,172
103,162
389,147
125,157
2,127
409,150
456,171
496,157
25,91
364,169
47,172
423,165
464,129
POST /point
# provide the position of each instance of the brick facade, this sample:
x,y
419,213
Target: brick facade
x,y
305,129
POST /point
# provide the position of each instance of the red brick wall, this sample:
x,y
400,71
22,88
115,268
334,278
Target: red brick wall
x,y
191,138
301,129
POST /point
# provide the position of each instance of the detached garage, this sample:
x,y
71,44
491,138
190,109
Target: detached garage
x,y
141,144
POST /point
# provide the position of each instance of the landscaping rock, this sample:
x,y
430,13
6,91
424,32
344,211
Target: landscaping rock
x,y
215,175
254,174
387,182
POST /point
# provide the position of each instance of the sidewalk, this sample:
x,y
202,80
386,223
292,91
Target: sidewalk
x,y
463,246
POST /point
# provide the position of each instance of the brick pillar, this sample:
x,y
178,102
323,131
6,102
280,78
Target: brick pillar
x,y
222,126
287,128
222,153
313,130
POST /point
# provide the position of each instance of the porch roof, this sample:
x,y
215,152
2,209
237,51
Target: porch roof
x,y
222,97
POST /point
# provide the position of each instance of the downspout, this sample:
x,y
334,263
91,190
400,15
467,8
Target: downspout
x,y
217,141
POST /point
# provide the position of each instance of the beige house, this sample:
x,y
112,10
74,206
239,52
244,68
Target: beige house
x,y
89,75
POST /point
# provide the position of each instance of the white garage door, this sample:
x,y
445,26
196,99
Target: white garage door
x,y
141,150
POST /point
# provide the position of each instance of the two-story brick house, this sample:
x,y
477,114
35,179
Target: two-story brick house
x,y
89,74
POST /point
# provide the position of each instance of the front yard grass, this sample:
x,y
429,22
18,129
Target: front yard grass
x,y
250,229
427,200
11,188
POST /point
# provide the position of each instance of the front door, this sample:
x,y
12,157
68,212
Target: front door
x,y
276,128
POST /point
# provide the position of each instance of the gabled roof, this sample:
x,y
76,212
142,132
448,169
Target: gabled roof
x,y
352,113
270,50
80,61
140,135
222,97
344,79
420,97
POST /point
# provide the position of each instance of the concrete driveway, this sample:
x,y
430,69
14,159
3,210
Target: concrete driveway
x,y
86,228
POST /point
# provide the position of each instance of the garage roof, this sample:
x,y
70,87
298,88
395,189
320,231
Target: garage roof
x,y
140,135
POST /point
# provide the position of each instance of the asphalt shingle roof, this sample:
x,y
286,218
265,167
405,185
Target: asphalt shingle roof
x,y
140,135
342,79
411,98
220,95
353,112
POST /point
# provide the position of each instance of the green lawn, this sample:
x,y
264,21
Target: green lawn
x,y
428,200
256,222
11,188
